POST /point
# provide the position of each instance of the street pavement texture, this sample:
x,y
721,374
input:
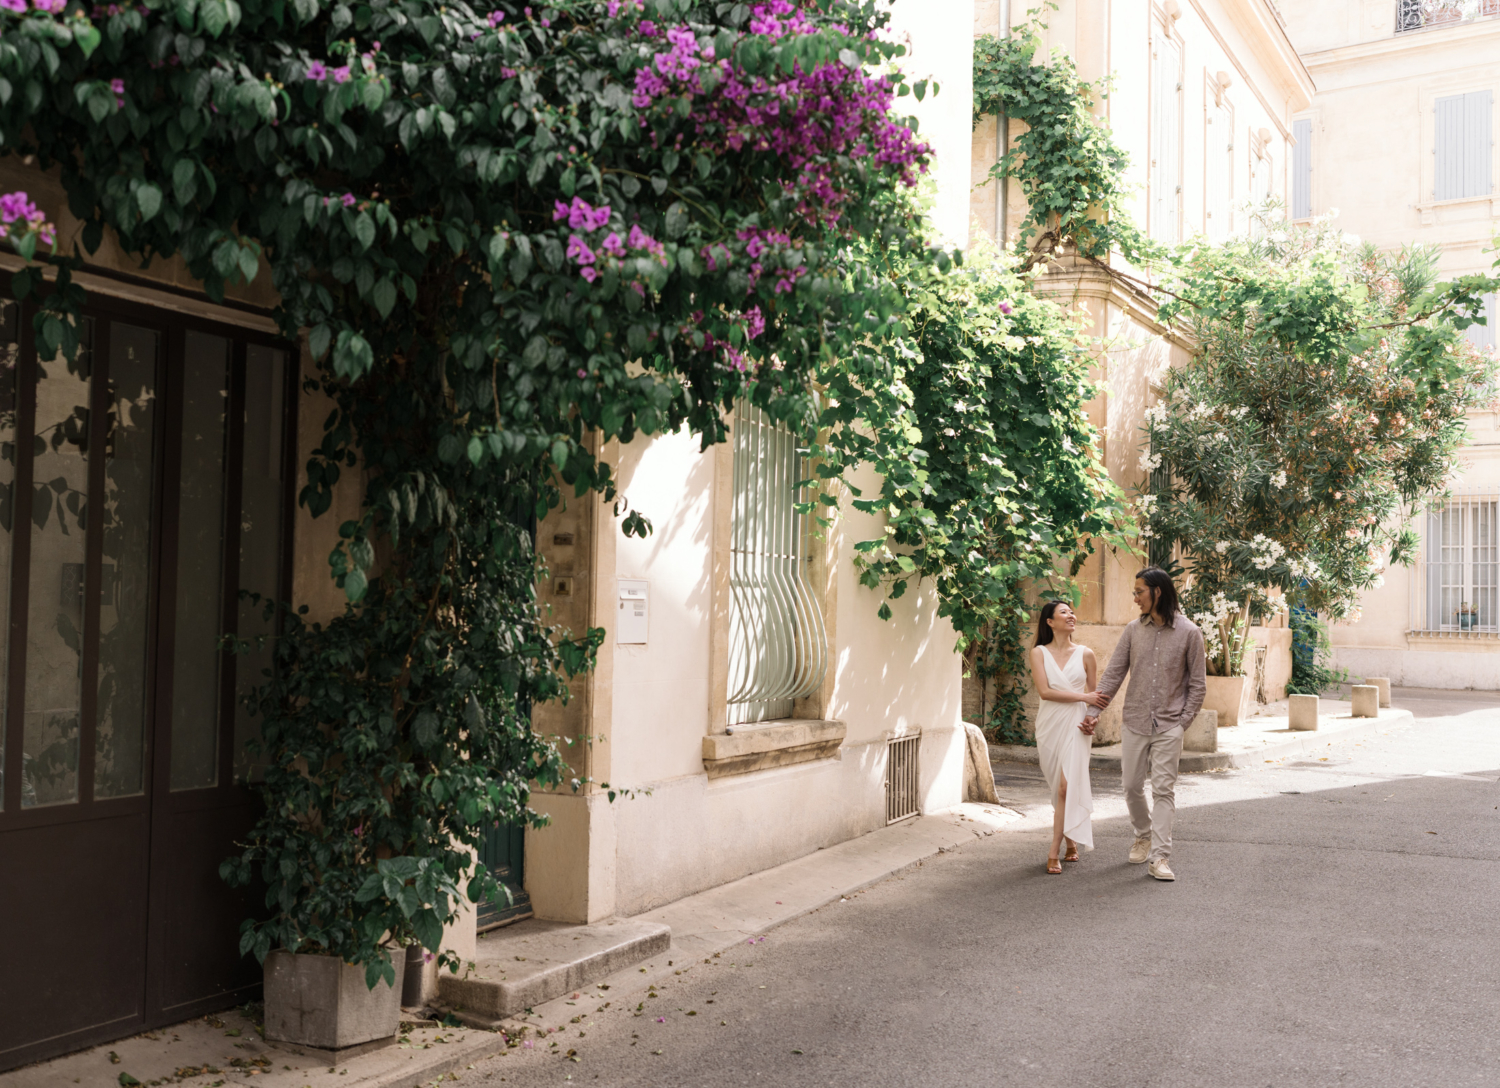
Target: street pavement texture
x,y
1333,923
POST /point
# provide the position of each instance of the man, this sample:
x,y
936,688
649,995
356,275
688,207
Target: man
x,y
1163,653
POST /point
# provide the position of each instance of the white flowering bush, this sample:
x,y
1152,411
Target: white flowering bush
x,y
1323,410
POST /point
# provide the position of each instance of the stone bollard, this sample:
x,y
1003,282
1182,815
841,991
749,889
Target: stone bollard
x,y
1384,684
1202,735
1364,699
1303,713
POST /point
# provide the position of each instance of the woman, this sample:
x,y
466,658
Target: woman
x,y
1065,674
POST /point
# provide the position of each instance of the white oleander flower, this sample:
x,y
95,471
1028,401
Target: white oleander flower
x,y
1147,532
1150,462
1221,547
1278,479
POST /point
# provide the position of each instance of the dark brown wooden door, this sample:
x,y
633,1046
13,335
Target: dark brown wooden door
x,y
141,487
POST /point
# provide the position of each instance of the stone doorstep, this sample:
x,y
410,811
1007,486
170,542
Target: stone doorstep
x,y
1241,750
521,966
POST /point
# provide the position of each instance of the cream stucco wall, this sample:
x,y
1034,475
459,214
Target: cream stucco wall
x,y
1372,161
679,831
1233,51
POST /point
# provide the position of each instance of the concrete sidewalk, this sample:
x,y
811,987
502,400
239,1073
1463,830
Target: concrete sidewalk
x,y
227,1049
1262,738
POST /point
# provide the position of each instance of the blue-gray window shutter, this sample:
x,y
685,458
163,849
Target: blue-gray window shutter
x,y
1484,336
1302,169
1462,146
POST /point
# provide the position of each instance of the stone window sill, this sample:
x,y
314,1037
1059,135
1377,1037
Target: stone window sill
x,y
763,745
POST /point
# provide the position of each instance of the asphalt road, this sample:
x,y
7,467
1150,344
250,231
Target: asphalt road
x,y
1335,922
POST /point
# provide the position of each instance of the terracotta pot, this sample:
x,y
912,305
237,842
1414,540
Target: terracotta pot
x,y
322,1002
1232,697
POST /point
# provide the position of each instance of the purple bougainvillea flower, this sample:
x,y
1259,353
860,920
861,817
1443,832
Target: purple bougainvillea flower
x,y
347,200
341,75
661,1019
588,273
17,6
1005,308
317,71
496,18
582,373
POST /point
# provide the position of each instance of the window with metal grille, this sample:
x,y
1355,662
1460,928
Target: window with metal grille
x,y
1166,138
1302,169
902,778
778,647
1457,580
1463,145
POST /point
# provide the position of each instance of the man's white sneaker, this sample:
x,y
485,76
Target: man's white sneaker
x,y
1161,870
1140,850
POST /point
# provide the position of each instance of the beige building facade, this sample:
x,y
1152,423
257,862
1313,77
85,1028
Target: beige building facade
x,y
1202,96
1402,142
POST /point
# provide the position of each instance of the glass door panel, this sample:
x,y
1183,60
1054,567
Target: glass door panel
x,y
125,583
54,629
200,575
10,357
260,540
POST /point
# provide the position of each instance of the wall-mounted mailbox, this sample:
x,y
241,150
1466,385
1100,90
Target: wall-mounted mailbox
x,y
630,619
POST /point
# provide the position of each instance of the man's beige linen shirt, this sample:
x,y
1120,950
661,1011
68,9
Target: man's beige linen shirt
x,y
1166,670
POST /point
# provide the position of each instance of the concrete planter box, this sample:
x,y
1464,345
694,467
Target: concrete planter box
x,y
321,1003
1232,697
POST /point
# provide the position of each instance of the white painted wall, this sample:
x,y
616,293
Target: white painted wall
x,y
691,833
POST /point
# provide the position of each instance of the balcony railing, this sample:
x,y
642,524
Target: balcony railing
x,y
1432,14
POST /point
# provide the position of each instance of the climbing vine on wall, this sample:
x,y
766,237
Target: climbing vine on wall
x,y
1068,166
989,468
504,229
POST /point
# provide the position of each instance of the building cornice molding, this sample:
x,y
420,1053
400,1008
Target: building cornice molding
x,y
1071,280
1411,43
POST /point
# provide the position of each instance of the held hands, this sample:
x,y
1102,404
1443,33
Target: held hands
x,y
1087,726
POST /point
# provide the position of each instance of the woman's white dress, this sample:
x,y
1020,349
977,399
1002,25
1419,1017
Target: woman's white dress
x,y
1065,750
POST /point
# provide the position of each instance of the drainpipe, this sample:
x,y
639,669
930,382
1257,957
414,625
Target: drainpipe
x,y
1002,134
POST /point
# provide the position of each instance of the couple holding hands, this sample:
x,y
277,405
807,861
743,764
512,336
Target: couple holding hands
x,y
1162,652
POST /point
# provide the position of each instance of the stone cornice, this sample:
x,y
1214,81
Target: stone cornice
x,y
1411,43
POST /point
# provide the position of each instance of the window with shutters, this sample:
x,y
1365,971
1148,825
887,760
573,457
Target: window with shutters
x,y
1218,167
778,647
1302,149
1260,174
1457,579
1166,139
1463,145
1483,336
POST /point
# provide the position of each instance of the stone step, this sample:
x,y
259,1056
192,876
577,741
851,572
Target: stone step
x,y
525,964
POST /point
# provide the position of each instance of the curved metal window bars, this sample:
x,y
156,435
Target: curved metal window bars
x,y
778,646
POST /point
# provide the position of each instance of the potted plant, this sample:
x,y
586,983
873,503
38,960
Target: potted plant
x,y
1466,617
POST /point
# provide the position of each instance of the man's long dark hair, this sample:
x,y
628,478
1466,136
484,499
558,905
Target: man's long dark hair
x,y
1043,629
1166,598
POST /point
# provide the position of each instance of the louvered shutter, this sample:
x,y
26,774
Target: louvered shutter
x,y
1463,139
1166,134
1302,169
1483,336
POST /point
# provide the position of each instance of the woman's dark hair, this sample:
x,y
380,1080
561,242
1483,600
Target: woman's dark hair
x,y
1043,631
1166,598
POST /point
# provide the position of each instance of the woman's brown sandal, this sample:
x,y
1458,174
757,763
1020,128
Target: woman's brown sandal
x,y
1072,854
1054,866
